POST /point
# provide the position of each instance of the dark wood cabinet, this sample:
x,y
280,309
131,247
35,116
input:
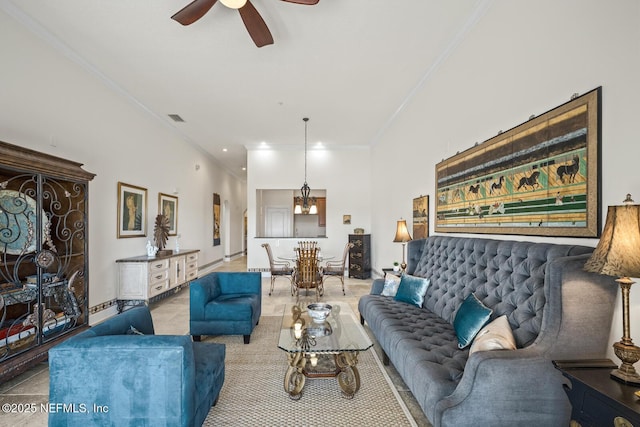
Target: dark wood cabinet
x,y
43,255
360,256
596,398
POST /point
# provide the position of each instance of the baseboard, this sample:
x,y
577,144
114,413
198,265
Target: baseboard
x,y
103,315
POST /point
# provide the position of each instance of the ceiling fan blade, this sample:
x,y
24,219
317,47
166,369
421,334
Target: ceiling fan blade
x,y
255,25
193,11
309,2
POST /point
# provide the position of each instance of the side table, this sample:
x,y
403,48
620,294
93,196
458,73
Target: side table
x,y
596,398
391,271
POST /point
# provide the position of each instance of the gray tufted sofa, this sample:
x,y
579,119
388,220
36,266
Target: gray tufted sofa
x,y
555,310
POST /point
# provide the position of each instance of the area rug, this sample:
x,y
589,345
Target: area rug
x,y
253,392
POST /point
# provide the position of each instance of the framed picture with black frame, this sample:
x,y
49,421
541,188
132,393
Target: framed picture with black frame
x,y
132,211
168,206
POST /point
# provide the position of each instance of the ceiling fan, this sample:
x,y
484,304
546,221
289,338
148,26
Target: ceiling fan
x,y
252,20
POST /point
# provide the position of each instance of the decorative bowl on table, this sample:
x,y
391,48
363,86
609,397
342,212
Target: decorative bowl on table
x,y
318,311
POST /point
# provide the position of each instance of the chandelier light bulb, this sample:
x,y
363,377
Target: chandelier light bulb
x,y
234,4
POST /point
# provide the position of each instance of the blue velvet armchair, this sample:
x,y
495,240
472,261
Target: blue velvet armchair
x,y
225,303
118,373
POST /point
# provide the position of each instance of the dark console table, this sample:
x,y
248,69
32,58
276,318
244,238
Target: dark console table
x,y
596,398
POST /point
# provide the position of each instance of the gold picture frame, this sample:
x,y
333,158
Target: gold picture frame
x,y
421,217
539,178
216,219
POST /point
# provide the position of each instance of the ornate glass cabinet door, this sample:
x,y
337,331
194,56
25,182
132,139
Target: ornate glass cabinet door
x,y
43,254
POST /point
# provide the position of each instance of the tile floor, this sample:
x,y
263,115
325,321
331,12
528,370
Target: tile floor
x,y
171,316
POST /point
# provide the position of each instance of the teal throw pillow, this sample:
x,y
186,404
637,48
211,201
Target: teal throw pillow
x,y
412,290
470,318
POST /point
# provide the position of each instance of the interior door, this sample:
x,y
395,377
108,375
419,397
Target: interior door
x,y
278,222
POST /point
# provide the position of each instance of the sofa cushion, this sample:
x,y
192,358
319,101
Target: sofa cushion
x,y
412,290
391,283
420,345
496,335
470,318
232,307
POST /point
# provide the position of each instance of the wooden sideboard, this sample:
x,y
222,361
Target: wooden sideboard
x,y
144,279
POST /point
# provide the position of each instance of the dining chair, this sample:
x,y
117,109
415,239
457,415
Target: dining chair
x,y
307,274
336,268
278,269
308,245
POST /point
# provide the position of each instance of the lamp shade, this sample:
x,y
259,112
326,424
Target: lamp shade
x,y
402,233
618,252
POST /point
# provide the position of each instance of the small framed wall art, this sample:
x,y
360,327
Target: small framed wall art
x,y
168,206
421,217
216,219
132,211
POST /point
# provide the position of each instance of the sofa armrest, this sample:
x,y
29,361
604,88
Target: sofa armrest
x,y
520,385
122,380
201,291
138,317
580,304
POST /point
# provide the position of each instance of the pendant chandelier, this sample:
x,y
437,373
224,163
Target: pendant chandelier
x,y
305,204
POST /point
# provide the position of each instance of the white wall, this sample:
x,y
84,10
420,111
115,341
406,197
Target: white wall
x,y
521,59
344,174
50,104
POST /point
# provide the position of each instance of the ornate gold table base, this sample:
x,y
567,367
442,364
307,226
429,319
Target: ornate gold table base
x,y
343,367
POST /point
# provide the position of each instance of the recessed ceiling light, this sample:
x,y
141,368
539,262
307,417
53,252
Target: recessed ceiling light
x,y
244,168
224,150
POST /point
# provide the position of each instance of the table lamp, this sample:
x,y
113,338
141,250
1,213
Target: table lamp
x,y
618,254
403,236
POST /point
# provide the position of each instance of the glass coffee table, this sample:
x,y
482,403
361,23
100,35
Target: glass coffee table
x,y
322,350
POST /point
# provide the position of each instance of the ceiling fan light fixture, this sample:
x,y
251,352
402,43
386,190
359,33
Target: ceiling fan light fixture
x,y
234,4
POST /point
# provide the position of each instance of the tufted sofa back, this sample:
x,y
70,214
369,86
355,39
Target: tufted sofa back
x,y
507,276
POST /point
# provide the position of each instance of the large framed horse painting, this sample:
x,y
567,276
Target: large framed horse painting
x,y
540,178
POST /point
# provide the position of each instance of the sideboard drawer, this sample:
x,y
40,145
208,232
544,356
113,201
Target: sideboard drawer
x,y
192,266
159,265
158,288
158,276
192,275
